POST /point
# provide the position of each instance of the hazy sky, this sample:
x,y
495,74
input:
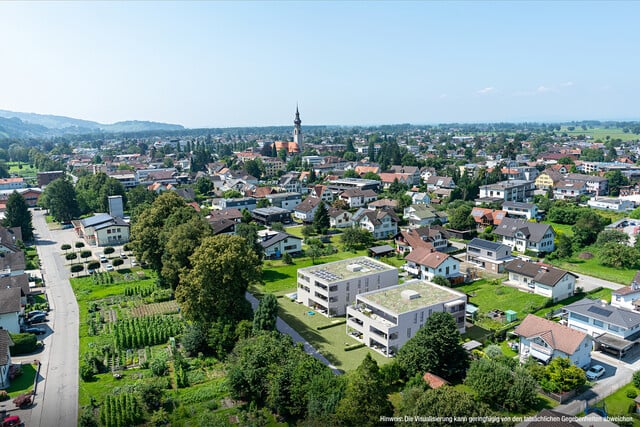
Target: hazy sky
x,y
210,64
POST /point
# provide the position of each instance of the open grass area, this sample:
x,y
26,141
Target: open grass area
x,y
593,268
506,350
331,341
31,255
618,403
560,228
489,296
23,383
21,169
601,133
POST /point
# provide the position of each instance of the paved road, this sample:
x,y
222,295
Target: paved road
x,y
56,402
589,283
283,327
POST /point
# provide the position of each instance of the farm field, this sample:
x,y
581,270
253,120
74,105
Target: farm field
x,y
126,329
601,133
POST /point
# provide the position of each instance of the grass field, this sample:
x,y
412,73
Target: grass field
x,y
593,268
561,228
23,383
618,403
330,342
21,169
488,296
601,133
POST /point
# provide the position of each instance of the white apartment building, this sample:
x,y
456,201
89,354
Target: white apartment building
x,y
386,319
611,204
329,288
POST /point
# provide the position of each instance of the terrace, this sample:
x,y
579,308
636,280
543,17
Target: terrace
x,y
393,300
346,269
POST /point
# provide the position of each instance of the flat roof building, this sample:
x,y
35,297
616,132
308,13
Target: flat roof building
x,y
386,319
330,287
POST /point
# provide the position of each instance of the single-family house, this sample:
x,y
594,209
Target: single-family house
x,y
545,340
284,200
614,329
524,236
520,210
485,217
322,192
10,309
596,185
223,226
383,204
276,244
487,255
5,357
412,173
290,182
541,279
307,209
570,189
21,282
382,223
339,218
547,179
433,237
423,215
418,197
435,182
357,198
426,264
629,296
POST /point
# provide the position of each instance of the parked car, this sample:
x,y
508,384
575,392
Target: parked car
x,y
66,225
595,372
34,330
38,318
103,258
35,313
109,267
13,420
133,263
123,255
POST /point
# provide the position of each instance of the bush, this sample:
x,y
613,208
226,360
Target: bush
x,y
331,325
23,344
117,262
158,365
23,400
93,265
3,395
77,268
71,256
86,372
632,394
354,346
65,247
109,250
636,379
79,245
85,254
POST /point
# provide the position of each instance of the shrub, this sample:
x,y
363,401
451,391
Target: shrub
x,y
631,394
159,364
23,400
65,247
117,262
71,256
354,346
77,268
3,395
109,250
85,254
636,379
23,344
86,372
93,265
79,244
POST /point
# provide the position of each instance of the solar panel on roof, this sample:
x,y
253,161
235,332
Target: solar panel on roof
x,y
600,311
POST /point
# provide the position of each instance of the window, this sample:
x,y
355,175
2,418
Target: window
x,y
613,328
422,316
489,253
408,332
579,317
415,318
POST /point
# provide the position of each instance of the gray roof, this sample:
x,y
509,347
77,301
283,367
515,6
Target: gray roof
x,y
541,273
10,300
115,221
484,244
607,313
5,342
96,219
518,205
271,210
277,238
532,230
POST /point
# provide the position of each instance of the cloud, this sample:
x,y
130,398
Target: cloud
x,y
486,90
543,89
566,84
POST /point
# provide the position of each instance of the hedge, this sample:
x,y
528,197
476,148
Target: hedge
x,y
354,346
109,250
23,344
331,325
77,268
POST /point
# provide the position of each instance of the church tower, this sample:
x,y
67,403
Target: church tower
x,y
297,130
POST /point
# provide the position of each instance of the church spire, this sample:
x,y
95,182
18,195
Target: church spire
x,y
297,129
297,120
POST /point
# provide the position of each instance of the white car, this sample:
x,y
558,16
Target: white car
x,y
133,263
109,267
595,372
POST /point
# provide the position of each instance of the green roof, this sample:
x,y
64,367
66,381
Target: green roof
x,y
346,269
392,298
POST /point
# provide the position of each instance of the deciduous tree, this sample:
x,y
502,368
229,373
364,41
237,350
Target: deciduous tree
x,y
264,319
17,215
59,197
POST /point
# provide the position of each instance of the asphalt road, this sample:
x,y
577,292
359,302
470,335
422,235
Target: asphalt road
x,y
56,402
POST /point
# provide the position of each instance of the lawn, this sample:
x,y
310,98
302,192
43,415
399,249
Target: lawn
x,y
23,383
487,296
618,403
561,228
31,255
21,169
593,268
331,341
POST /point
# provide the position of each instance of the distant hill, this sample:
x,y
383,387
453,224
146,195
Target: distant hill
x,y
20,125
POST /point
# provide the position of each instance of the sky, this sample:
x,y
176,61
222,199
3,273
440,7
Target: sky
x,y
225,64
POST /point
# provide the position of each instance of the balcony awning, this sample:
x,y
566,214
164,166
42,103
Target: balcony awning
x,y
540,355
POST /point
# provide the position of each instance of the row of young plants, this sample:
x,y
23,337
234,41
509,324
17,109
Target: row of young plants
x,y
139,332
121,410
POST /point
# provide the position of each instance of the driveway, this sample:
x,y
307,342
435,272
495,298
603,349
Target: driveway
x,y
589,283
56,401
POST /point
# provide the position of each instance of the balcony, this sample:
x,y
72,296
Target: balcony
x,y
322,297
541,349
378,332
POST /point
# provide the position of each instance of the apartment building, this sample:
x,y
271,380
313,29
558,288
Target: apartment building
x,y
329,288
506,191
386,319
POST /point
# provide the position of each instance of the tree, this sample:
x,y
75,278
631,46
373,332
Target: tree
x,y
616,180
350,173
587,227
340,204
264,319
371,175
253,168
441,280
435,348
314,250
564,248
59,197
442,404
203,185
321,220
231,194
138,196
618,255
365,399
561,376
615,236
307,230
17,215
460,218
356,238
194,340
249,232
214,288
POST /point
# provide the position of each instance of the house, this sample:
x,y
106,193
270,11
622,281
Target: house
x,y
357,198
506,191
387,318
526,236
20,281
382,223
268,216
596,185
45,178
520,210
545,340
12,263
240,203
5,357
435,182
627,296
339,218
284,200
12,183
223,226
486,255
412,173
423,215
614,329
231,214
485,217
364,169
273,165
10,309
330,288
290,183
611,204
569,190
276,244
541,279
426,264
383,204
103,230
547,179
419,198
388,178
321,192
426,237
342,184
306,209
434,381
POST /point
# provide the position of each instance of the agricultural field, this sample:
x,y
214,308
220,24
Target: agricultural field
x,y
24,170
601,133
130,355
